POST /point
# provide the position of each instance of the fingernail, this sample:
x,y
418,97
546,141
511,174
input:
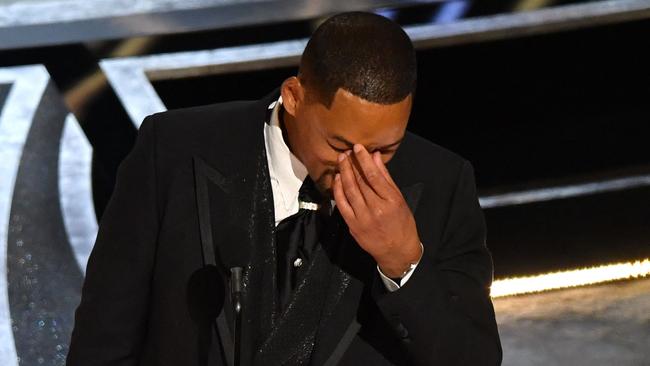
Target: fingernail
x,y
341,157
357,148
348,152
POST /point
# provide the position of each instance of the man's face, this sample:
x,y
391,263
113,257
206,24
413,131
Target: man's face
x,y
318,135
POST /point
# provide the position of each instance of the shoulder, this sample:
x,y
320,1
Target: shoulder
x,y
207,127
224,134
194,122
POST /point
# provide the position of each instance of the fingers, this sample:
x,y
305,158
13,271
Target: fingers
x,y
350,187
369,195
341,201
376,157
371,172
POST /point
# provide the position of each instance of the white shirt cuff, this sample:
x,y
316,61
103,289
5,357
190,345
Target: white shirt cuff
x,y
392,285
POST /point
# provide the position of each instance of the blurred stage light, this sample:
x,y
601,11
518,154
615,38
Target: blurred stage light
x,y
450,12
571,278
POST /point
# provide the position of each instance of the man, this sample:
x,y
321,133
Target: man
x,y
384,264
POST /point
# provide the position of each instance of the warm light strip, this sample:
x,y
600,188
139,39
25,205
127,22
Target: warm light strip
x,y
572,278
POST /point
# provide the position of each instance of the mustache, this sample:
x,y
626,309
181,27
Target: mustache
x,y
325,174
330,171
322,180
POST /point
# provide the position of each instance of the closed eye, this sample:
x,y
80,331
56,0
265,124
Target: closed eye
x,y
337,149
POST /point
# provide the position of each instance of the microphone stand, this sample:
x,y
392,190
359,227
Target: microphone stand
x,y
235,295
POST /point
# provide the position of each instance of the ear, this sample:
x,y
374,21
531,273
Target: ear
x,y
293,95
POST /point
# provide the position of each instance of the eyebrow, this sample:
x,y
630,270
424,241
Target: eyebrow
x,y
351,144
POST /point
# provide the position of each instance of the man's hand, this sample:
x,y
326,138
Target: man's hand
x,y
375,210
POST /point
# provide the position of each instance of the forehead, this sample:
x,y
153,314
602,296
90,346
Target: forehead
x,y
360,121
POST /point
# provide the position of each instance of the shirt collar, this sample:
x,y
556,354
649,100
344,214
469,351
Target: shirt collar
x,y
286,168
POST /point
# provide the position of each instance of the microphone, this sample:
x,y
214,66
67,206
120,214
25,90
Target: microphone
x,y
235,258
235,295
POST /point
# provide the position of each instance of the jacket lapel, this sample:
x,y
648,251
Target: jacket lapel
x,y
235,211
203,175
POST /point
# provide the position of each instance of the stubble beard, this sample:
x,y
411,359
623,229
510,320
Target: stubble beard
x,y
322,183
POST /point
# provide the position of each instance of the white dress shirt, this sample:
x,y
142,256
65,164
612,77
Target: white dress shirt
x,y
287,173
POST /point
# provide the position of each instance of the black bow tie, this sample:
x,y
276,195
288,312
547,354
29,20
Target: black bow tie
x,y
297,237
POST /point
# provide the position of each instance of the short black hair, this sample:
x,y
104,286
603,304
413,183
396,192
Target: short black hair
x,y
365,54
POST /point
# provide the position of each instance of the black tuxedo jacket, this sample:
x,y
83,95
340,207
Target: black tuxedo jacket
x,y
196,185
